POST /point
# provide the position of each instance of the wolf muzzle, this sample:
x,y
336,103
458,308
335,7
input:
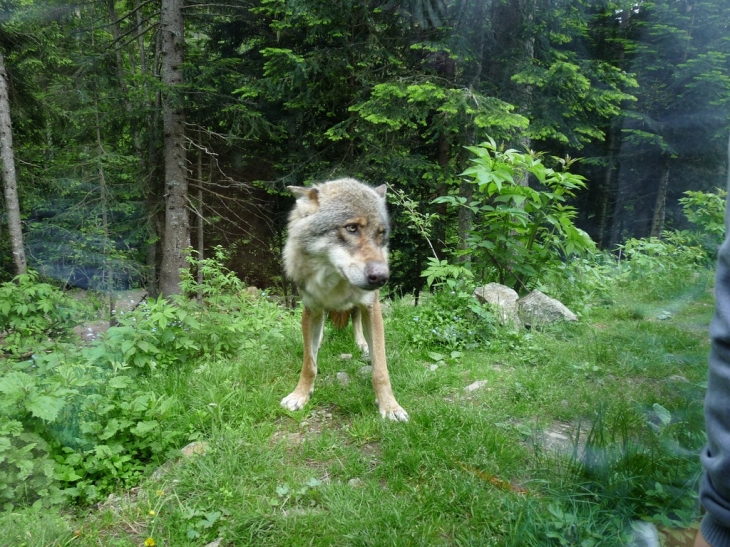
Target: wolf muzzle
x,y
376,274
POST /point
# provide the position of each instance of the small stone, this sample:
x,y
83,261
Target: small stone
x,y
354,483
345,356
433,368
196,447
476,385
678,378
343,378
366,371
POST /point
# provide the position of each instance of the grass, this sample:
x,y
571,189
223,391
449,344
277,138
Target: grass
x,y
623,388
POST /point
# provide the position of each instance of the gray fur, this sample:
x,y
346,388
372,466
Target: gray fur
x,y
337,254
326,267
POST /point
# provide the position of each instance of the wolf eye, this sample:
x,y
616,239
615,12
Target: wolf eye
x,y
352,228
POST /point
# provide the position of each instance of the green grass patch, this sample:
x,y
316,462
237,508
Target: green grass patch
x,y
573,432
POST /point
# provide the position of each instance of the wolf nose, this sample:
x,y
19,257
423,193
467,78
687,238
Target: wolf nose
x,y
377,274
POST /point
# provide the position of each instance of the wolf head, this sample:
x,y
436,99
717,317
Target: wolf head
x,y
338,235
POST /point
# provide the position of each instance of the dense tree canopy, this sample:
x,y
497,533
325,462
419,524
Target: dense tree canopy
x,y
268,93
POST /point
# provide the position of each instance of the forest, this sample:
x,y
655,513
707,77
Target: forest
x,y
133,131
147,332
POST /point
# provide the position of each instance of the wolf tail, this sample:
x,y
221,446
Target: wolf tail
x,y
340,318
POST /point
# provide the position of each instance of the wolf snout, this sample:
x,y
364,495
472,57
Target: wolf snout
x,y
377,274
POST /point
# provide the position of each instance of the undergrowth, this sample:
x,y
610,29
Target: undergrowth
x,y
78,424
473,466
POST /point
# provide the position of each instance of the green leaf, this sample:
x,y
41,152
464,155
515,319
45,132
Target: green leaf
x,y
144,427
16,384
119,382
45,407
147,347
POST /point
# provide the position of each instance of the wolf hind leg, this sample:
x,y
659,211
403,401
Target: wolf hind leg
x,y
312,331
372,323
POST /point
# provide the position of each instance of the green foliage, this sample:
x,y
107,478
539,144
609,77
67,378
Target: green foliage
x,y
157,334
442,274
269,475
165,333
661,265
575,102
401,106
76,430
520,232
27,472
706,210
229,318
581,281
79,424
114,431
31,311
448,320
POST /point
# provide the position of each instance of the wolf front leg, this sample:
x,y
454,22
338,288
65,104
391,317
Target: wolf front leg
x,y
372,324
312,325
362,344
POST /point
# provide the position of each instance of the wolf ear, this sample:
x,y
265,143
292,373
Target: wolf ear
x,y
380,190
302,192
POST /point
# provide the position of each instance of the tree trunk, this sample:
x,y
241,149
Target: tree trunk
x,y
657,222
618,191
443,158
177,224
7,155
605,189
154,190
200,222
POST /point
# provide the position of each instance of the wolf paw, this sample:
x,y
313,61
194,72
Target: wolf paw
x,y
294,401
394,412
364,351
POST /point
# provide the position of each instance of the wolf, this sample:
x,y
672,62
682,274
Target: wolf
x,y
337,254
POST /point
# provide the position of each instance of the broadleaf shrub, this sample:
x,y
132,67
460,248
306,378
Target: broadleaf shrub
x,y
447,320
706,210
78,424
519,232
32,311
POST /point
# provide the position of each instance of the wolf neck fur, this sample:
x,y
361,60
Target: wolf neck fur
x,y
324,287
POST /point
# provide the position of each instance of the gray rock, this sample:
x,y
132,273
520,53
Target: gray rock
x,y
503,299
343,378
537,309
